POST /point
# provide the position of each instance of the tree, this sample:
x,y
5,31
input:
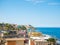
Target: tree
x,y
23,27
52,40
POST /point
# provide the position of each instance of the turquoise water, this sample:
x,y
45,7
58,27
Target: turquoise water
x,y
55,32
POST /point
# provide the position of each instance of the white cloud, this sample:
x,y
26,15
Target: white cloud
x,y
53,3
43,1
36,1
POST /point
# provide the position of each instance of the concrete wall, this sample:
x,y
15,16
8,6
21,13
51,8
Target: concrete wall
x,y
20,42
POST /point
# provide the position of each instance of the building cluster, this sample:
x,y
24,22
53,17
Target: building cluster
x,y
13,34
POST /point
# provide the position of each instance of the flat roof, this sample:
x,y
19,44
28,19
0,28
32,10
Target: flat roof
x,y
13,39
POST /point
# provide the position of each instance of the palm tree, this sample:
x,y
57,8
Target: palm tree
x,y
51,40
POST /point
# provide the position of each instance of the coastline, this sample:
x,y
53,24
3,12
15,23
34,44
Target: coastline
x,y
54,32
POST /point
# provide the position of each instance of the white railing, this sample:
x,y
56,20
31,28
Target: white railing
x,y
41,43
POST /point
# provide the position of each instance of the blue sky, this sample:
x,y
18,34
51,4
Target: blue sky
x,y
39,13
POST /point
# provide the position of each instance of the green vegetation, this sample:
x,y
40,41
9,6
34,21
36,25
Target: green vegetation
x,y
6,33
52,40
23,27
7,26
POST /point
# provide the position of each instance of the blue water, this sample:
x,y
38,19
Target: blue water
x,y
55,32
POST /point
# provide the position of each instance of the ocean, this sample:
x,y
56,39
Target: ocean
x,y
54,32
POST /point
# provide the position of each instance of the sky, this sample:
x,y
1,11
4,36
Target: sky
x,y
39,13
